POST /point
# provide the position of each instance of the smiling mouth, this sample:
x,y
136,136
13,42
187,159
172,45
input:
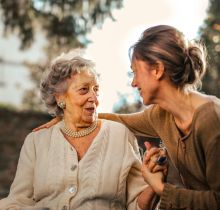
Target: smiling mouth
x,y
91,109
139,90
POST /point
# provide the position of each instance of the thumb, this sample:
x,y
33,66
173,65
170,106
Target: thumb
x,y
147,145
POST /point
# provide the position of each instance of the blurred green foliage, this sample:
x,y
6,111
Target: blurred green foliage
x,y
65,24
210,35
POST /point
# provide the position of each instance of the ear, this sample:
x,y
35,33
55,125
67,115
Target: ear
x,y
158,70
59,97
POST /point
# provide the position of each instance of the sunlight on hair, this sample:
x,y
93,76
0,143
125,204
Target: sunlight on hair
x,y
70,55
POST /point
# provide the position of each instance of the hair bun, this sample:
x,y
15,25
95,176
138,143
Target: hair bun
x,y
194,64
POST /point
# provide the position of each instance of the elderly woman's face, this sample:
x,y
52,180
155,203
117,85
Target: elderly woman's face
x,y
81,97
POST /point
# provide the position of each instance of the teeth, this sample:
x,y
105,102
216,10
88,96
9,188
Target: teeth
x,y
90,109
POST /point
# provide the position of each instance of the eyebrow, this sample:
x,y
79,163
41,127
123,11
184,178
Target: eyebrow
x,y
86,83
131,68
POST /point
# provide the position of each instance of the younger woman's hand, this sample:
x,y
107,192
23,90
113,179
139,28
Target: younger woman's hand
x,y
154,171
156,159
155,180
48,124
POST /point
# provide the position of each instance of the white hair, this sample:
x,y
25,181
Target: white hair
x,y
61,69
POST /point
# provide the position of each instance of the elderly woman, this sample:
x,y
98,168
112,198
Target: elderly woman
x,y
81,162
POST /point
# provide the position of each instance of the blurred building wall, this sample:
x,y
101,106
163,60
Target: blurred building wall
x,y
14,127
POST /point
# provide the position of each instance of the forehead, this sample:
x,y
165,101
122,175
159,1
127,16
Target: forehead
x,y
137,64
84,77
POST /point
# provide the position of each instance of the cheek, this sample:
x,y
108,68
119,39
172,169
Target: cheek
x,y
77,102
142,81
97,101
82,101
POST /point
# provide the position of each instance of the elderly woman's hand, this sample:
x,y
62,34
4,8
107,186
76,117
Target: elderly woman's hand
x,y
48,124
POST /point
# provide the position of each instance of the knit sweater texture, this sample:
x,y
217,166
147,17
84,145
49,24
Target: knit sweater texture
x,y
50,175
195,156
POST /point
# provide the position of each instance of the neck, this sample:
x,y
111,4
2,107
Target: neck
x,y
180,104
76,123
78,134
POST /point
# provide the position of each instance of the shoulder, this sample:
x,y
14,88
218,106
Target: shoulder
x,y
42,136
216,106
206,126
115,126
120,133
157,117
207,118
213,113
155,111
210,112
118,130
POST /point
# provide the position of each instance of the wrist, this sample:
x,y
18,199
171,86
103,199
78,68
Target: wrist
x,y
145,198
159,188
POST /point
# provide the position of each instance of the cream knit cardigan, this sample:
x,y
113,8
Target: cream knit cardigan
x,y
50,175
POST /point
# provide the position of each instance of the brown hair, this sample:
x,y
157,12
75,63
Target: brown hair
x,y
184,61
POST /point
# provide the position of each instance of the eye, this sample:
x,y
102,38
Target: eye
x,y
96,89
131,74
83,90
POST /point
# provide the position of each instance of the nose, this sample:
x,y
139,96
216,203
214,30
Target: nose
x,y
133,83
93,97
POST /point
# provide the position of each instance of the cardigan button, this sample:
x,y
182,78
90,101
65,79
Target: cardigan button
x,y
73,167
72,189
64,208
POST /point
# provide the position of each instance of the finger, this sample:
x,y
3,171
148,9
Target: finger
x,y
152,162
54,121
157,168
39,128
163,152
48,124
165,172
144,172
149,155
153,151
147,145
151,165
156,163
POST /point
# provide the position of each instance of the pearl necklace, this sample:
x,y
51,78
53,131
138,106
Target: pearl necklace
x,y
78,134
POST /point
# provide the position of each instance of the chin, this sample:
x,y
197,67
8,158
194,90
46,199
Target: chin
x,y
91,119
146,102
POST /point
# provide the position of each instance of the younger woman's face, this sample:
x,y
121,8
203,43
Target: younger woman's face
x,y
144,80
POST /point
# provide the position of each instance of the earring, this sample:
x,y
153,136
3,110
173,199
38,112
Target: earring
x,y
61,104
